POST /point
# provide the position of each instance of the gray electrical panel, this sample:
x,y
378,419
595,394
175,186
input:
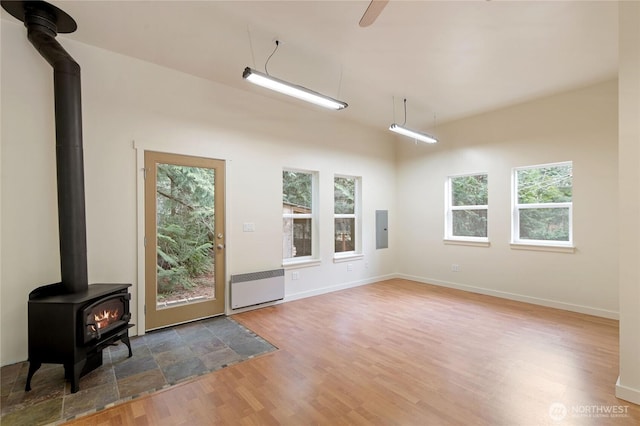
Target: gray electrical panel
x,y
382,229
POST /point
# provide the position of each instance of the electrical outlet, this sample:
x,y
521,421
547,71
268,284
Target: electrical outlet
x,y
295,275
455,267
349,266
366,265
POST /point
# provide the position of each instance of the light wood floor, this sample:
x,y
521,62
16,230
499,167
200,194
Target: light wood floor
x,y
402,353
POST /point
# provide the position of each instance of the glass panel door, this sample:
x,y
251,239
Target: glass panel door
x,y
184,238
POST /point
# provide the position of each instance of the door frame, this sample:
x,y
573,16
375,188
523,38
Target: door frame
x,y
139,291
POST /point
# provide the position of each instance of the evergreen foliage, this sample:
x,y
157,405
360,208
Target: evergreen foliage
x,y
344,195
185,225
469,190
297,188
545,185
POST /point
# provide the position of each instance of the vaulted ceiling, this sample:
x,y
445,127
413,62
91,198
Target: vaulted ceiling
x,y
450,59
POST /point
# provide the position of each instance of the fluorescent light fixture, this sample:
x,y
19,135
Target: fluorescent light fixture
x,y
294,90
412,133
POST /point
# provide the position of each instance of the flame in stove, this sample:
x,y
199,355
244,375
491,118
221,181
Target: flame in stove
x,y
106,317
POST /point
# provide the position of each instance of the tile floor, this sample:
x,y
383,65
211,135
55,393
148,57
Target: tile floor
x,y
160,359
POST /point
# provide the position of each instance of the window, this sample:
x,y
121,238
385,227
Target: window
x,y
467,207
346,214
542,213
298,214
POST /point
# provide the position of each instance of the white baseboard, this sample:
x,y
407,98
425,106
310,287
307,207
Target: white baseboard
x,y
518,297
315,292
502,294
626,393
338,287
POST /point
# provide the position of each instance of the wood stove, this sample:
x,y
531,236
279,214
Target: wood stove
x,y
70,322
73,329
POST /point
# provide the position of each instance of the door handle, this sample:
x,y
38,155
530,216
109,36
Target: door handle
x,y
220,246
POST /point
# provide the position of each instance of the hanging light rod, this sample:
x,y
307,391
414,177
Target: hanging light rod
x,y
423,137
265,80
402,130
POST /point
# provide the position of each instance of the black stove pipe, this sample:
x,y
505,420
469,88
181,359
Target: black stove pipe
x,y
43,22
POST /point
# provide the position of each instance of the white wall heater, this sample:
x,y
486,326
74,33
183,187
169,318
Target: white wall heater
x,y
256,287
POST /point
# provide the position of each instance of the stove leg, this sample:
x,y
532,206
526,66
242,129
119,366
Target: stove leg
x,y
33,367
73,372
126,341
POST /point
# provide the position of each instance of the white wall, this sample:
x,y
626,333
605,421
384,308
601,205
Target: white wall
x,y
127,100
580,126
628,386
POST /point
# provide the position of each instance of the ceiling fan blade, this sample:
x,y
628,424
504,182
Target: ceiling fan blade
x,y
372,12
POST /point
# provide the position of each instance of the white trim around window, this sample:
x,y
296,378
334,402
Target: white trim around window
x,y
451,207
519,209
355,228
302,214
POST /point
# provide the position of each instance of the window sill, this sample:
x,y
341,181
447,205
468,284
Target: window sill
x,y
305,263
543,247
467,243
339,258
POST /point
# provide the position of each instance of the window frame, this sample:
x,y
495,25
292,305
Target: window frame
x,y
313,258
450,208
516,207
357,208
